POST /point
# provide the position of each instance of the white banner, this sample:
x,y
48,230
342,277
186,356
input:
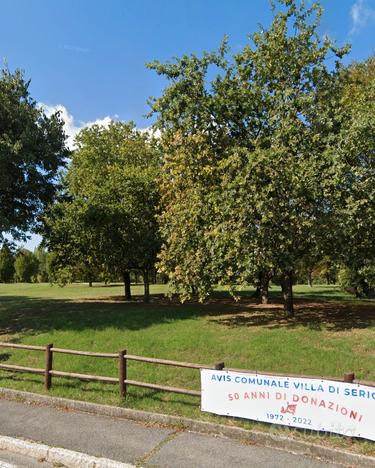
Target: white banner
x,y
321,405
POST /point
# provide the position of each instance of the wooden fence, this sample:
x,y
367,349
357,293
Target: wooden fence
x,y
122,360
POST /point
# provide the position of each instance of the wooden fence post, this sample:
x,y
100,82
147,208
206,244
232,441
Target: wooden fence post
x,y
122,372
349,377
219,366
48,368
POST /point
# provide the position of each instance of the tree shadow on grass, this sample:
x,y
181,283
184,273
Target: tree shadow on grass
x,y
315,315
28,315
109,285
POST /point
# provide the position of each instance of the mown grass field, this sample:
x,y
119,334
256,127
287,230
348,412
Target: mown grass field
x,y
331,334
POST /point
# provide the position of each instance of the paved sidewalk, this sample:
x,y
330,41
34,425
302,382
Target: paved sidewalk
x,y
135,443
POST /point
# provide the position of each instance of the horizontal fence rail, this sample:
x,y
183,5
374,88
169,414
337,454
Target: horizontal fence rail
x,y
122,359
83,353
22,346
167,362
31,370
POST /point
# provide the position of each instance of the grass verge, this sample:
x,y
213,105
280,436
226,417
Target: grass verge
x,y
331,334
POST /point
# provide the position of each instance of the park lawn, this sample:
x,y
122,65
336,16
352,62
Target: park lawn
x,y
331,334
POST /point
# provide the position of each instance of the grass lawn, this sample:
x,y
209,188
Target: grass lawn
x,y
332,334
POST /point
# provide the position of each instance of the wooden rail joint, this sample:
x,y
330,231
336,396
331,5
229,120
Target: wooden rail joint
x,y
349,377
48,368
122,373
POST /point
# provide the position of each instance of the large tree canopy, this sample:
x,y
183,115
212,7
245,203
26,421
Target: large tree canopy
x,y
108,217
247,178
356,167
32,149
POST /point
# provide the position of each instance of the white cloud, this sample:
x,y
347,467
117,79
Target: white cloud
x,y
82,50
361,15
152,133
103,122
71,127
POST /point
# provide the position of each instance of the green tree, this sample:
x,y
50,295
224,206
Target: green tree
x,y
32,149
247,179
41,255
109,217
360,282
26,266
72,242
6,264
356,170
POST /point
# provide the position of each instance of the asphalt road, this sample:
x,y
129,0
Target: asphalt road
x,y
135,443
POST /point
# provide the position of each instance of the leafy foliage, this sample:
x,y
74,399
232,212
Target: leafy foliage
x,y
107,220
6,264
356,169
247,179
32,149
42,257
26,266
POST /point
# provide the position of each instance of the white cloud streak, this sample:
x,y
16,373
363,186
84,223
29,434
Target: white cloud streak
x,y
151,132
73,48
361,15
71,127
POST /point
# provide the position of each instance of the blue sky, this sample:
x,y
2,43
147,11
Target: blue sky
x,y
88,56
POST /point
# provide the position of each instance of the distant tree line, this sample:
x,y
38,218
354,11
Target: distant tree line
x,y
23,266
263,170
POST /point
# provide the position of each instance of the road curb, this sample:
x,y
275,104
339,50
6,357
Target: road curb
x,y
56,455
251,436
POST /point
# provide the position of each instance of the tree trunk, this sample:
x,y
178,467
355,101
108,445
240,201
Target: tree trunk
x,y
126,278
309,279
287,289
256,294
263,287
365,287
261,292
146,282
90,284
